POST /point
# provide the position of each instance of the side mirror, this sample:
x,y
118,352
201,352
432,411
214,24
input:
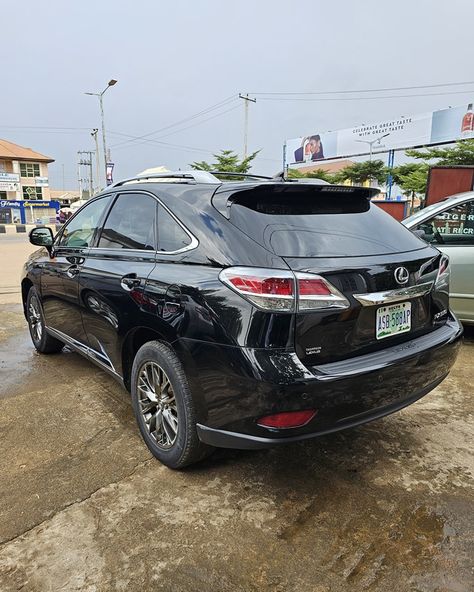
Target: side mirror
x,y
42,236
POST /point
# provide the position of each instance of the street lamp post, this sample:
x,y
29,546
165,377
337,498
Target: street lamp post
x,y
372,142
101,103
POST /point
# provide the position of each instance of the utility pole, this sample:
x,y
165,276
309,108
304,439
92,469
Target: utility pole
x,y
95,135
246,100
101,103
87,162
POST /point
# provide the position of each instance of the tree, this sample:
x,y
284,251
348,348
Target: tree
x,y
461,154
411,178
227,162
316,174
361,172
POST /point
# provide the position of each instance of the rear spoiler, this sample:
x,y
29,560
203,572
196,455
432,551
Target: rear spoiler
x,y
227,193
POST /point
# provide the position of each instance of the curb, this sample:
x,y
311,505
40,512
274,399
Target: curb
x,y
25,228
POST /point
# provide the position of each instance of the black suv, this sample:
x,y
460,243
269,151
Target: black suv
x,y
246,313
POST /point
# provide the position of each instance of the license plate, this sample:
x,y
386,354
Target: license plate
x,y
392,320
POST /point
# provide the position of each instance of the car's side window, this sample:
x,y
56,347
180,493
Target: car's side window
x,y
79,232
171,236
131,223
451,227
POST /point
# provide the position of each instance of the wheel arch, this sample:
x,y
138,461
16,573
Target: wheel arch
x,y
26,285
141,335
132,343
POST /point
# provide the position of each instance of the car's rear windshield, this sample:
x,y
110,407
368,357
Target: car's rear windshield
x,y
313,224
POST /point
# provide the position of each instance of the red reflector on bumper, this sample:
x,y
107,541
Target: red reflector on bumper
x,y
288,419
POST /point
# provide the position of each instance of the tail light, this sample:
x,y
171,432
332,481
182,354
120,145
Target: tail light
x,y
444,271
315,292
281,290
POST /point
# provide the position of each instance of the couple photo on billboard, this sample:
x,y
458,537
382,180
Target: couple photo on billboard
x,y
311,149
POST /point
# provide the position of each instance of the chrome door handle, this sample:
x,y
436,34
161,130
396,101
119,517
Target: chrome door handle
x,y
130,281
72,271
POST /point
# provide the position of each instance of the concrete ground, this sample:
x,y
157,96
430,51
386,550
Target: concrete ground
x,y
387,506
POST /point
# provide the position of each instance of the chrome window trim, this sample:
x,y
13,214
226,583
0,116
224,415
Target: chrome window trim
x,y
192,245
371,298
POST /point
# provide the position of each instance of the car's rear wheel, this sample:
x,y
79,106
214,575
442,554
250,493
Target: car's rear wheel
x,y
164,407
43,342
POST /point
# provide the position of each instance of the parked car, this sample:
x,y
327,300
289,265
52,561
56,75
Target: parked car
x,y
449,225
244,314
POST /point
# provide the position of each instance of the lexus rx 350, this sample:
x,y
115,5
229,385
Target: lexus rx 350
x,y
244,314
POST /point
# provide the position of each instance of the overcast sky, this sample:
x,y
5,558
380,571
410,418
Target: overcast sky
x,y
175,59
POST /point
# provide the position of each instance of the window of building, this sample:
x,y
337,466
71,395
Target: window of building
x,y
3,166
171,236
79,232
31,192
451,227
29,169
130,223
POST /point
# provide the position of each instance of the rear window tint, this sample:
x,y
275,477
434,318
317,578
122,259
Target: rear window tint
x,y
316,225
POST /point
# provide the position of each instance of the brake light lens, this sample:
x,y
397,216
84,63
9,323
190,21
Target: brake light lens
x,y
315,292
257,285
288,419
281,290
444,272
268,289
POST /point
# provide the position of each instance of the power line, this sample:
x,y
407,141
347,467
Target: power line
x,y
142,139
41,127
158,142
458,92
218,105
200,122
365,90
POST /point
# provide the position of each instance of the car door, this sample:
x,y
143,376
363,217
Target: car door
x,y
452,232
60,274
113,276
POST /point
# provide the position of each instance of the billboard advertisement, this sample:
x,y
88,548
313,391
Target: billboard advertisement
x,y
434,127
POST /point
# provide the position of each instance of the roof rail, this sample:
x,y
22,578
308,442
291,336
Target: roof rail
x,y
183,176
248,175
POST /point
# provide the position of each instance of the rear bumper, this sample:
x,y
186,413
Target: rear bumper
x,y
239,385
225,439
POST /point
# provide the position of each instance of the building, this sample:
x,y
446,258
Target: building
x,y
65,197
24,185
329,167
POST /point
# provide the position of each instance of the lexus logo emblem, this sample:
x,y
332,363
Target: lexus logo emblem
x,y
401,275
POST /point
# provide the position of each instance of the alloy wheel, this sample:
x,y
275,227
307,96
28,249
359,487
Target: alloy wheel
x,y
35,320
157,404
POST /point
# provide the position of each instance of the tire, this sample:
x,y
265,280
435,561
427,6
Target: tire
x,y
164,407
43,342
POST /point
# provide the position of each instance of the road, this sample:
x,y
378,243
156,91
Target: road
x,y
84,506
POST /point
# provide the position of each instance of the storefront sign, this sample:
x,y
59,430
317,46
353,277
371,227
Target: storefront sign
x,y
36,203
30,205
9,177
41,181
9,186
9,203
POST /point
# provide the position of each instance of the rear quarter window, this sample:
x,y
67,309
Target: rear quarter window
x,y
316,225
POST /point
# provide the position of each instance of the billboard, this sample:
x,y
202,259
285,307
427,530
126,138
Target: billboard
x,y
434,127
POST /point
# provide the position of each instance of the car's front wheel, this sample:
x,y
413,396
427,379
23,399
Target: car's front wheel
x,y
164,407
42,341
